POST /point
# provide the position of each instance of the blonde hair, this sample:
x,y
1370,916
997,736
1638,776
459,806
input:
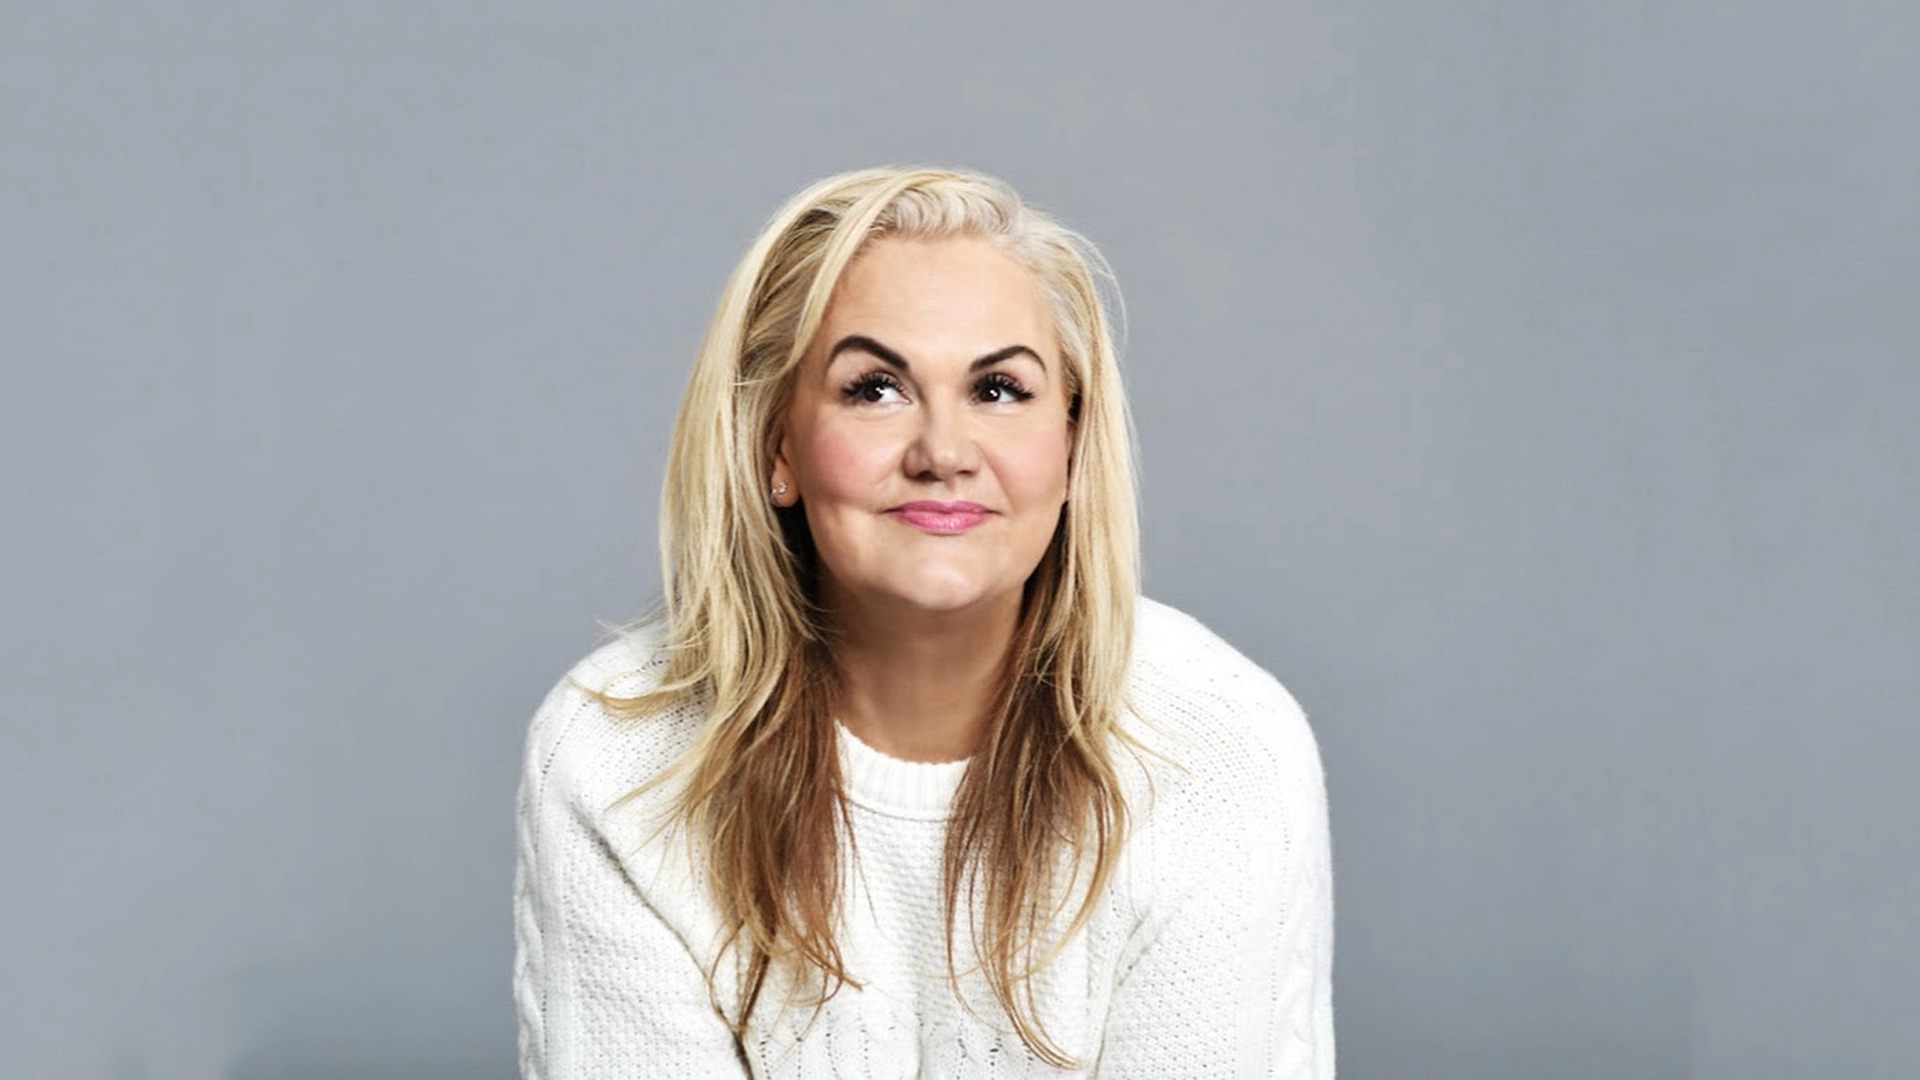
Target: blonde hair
x,y
1039,819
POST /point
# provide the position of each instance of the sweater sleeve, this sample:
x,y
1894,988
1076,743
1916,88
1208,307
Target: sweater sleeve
x,y
1228,970
603,985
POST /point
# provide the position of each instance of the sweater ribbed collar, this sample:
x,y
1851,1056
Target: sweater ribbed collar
x,y
909,789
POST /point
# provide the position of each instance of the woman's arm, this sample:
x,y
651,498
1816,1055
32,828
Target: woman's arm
x,y
603,985
1228,972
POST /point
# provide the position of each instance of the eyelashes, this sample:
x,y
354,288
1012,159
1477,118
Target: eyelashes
x,y
992,388
1002,386
873,388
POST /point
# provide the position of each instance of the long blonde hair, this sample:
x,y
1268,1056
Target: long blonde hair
x,y
1038,821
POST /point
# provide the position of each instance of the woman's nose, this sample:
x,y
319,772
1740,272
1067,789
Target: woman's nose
x,y
944,446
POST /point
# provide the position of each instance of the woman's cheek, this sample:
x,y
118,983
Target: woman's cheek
x,y
846,462
1033,468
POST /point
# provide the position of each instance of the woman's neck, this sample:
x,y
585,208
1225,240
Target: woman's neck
x,y
917,686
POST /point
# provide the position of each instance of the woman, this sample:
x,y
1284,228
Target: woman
x,y
906,781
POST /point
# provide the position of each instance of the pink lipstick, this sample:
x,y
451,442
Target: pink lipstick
x,y
942,518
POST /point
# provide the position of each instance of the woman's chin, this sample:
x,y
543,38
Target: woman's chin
x,y
942,597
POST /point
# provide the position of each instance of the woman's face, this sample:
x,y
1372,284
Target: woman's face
x,y
927,437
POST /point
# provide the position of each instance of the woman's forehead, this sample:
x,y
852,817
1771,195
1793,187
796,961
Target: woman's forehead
x,y
960,293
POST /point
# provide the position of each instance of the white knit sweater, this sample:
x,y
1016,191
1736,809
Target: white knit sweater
x,y
1209,955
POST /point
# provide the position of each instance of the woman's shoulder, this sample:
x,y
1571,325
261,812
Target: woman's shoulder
x,y
582,738
1203,706
1228,793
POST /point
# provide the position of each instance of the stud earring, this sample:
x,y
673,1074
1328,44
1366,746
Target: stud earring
x,y
779,489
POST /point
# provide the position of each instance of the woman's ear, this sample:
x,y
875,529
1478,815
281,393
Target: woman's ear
x,y
781,488
1073,446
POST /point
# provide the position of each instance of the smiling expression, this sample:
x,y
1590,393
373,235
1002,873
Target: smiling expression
x,y
927,436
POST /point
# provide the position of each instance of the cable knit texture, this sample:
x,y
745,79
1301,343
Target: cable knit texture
x,y
1209,955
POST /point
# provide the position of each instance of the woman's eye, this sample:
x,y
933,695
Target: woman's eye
x,y
875,389
997,388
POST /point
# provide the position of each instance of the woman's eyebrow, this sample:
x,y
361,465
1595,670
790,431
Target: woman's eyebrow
x,y
868,345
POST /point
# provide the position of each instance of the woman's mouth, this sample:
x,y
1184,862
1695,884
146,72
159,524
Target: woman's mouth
x,y
941,518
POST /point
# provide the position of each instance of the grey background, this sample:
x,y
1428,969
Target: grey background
x,y
1529,385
